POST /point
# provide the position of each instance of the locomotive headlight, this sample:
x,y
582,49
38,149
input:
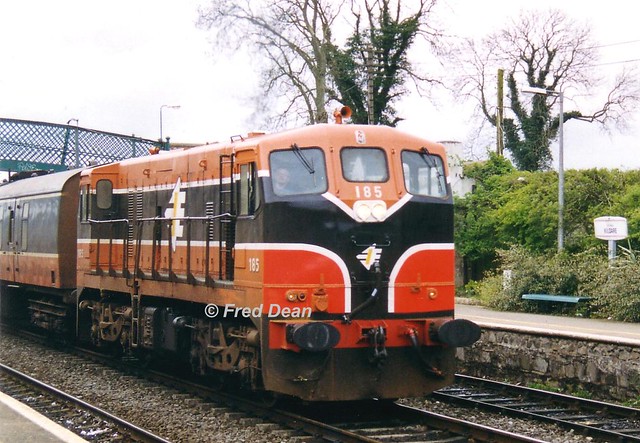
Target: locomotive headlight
x,y
370,210
362,210
379,211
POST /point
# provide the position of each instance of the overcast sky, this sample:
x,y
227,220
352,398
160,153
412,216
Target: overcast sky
x,y
112,65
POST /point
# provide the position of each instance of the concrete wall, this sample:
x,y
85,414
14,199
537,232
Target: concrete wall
x,y
610,370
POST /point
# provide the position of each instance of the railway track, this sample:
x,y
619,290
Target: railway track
x,y
369,421
363,421
84,419
385,421
350,422
586,417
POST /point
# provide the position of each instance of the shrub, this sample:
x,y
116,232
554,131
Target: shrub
x,y
579,274
619,296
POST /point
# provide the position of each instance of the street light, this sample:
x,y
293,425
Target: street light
x,y
169,107
560,96
77,151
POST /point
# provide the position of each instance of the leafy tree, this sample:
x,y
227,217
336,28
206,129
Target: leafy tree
x,y
475,228
542,50
512,207
375,62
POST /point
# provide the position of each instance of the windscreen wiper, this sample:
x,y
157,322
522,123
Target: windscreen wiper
x,y
428,159
305,162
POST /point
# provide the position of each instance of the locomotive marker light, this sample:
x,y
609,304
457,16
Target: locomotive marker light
x,y
611,229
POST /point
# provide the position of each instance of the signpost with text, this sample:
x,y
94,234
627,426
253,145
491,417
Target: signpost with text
x,y
611,229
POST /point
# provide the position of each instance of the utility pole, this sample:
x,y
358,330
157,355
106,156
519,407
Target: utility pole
x,y
370,85
499,114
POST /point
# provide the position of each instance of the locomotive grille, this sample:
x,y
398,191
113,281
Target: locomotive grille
x,y
210,211
134,211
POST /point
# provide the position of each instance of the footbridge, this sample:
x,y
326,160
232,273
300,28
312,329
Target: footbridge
x,y
31,145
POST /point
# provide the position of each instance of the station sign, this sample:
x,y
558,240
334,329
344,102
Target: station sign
x,y
20,165
610,228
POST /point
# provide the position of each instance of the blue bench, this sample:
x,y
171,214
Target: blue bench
x,y
548,300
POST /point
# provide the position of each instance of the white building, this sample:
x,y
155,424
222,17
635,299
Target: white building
x,y
460,185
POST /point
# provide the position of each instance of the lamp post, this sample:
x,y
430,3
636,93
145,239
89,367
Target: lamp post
x,y
77,151
161,108
560,96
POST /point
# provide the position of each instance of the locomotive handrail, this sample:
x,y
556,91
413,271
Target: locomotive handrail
x,y
124,254
147,219
140,221
117,220
172,276
211,217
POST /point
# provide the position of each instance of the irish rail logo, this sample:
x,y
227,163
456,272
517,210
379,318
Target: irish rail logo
x,y
369,256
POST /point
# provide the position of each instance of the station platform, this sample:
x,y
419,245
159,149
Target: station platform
x,y
20,423
592,329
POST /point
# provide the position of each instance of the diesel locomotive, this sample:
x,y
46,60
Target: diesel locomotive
x,y
316,262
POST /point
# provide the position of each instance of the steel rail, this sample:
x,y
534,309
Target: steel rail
x,y
124,427
588,417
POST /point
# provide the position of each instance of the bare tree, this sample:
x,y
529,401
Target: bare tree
x,y
292,36
542,50
306,70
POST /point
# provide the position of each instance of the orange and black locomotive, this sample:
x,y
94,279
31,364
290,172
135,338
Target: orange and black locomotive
x,y
316,262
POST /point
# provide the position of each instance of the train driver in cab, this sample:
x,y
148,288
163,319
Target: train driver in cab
x,y
282,181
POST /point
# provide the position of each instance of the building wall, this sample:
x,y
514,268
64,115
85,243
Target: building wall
x,y
572,363
459,184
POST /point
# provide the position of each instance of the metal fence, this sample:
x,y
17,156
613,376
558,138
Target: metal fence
x,y
29,145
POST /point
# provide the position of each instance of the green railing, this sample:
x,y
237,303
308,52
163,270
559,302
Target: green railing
x,y
29,145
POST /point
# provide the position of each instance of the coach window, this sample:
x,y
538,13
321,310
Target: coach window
x,y
248,195
424,173
364,165
2,211
104,194
298,171
24,227
12,218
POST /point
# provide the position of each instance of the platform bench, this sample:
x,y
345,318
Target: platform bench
x,y
548,300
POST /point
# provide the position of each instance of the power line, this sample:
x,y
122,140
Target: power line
x,y
618,62
614,44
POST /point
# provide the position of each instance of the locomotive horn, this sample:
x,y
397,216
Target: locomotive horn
x,y
340,113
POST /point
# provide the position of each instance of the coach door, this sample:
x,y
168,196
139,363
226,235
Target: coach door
x,y
19,222
11,234
6,240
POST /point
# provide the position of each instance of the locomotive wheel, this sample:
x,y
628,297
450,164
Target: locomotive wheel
x,y
217,380
270,399
197,360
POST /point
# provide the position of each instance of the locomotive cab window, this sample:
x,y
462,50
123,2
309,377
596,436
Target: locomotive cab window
x,y
248,196
84,203
364,165
424,173
104,194
298,171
